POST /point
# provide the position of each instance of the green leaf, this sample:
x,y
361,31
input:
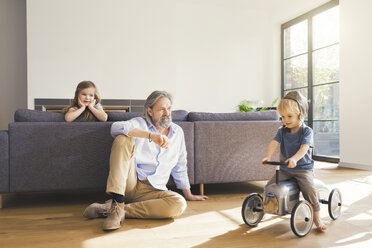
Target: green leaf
x,y
274,102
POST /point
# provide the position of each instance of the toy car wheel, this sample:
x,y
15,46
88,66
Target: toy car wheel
x,y
334,204
302,218
252,209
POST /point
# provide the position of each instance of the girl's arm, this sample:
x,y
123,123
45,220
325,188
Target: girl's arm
x,y
292,161
73,113
273,145
97,112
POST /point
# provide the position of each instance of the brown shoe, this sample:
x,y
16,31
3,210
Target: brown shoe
x,y
98,210
115,217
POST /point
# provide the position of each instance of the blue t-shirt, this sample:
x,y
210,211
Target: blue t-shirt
x,y
290,143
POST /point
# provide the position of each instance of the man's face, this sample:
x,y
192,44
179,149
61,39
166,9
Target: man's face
x,y
160,113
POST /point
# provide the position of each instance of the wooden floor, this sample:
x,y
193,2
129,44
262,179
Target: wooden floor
x,y
44,220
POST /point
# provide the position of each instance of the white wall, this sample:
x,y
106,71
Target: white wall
x,y
210,54
355,83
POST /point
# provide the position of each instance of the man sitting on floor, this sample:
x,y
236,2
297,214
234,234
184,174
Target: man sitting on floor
x,y
145,152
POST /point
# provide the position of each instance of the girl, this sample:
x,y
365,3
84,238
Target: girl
x,y
295,140
86,104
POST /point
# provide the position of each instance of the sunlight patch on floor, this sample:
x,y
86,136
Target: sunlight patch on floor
x,y
362,216
205,227
266,222
367,180
354,240
352,191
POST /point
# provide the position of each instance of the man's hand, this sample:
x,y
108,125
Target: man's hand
x,y
197,197
160,140
190,197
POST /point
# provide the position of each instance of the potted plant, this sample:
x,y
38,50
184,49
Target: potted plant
x,y
252,106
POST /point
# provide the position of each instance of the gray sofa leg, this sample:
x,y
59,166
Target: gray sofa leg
x,y
201,189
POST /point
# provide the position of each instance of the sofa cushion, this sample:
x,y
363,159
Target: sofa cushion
x,y
177,115
28,115
251,116
46,156
227,152
60,156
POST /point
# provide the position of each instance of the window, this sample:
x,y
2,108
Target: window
x,y
310,64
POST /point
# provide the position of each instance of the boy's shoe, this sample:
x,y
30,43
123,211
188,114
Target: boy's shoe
x,y
115,217
98,210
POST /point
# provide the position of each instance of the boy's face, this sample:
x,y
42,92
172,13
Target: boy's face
x,y
290,120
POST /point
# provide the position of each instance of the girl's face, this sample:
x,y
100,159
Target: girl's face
x,y
86,96
290,120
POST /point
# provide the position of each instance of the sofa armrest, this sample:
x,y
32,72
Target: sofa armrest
x,y
4,162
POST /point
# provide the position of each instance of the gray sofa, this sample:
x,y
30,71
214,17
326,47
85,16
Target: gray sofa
x,y
40,152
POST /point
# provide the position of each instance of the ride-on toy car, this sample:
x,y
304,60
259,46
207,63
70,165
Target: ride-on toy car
x,y
281,198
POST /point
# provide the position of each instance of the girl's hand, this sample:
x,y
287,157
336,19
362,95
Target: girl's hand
x,y
92,104
291,162
81,104
263,160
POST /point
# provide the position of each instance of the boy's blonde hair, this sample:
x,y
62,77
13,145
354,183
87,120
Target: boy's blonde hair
x,y
294,102
289,106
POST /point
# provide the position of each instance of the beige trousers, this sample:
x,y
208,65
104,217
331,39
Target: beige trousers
x,y
141,199
305,181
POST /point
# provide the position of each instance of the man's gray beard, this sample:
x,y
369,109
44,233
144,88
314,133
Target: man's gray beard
x,y
164,124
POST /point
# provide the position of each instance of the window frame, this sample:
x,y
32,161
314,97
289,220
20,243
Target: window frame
x,y
308,16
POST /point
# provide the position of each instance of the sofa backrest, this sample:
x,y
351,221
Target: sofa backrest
x,y
268,115
177,115
28,115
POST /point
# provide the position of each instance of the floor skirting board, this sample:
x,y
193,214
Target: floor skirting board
x,y
355,166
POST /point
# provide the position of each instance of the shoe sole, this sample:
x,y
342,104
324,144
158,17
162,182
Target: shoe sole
x,y
113,228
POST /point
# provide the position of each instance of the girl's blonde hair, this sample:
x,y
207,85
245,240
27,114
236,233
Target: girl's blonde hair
x,y
290,106
87,114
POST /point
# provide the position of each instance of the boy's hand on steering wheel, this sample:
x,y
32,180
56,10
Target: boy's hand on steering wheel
x,y
291,162
263,160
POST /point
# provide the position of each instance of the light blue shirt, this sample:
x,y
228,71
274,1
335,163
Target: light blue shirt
x,y
154,163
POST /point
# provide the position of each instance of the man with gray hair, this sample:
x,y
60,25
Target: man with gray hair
x,y
145,152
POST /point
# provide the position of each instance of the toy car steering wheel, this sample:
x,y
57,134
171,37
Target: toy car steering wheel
x,y
276,163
